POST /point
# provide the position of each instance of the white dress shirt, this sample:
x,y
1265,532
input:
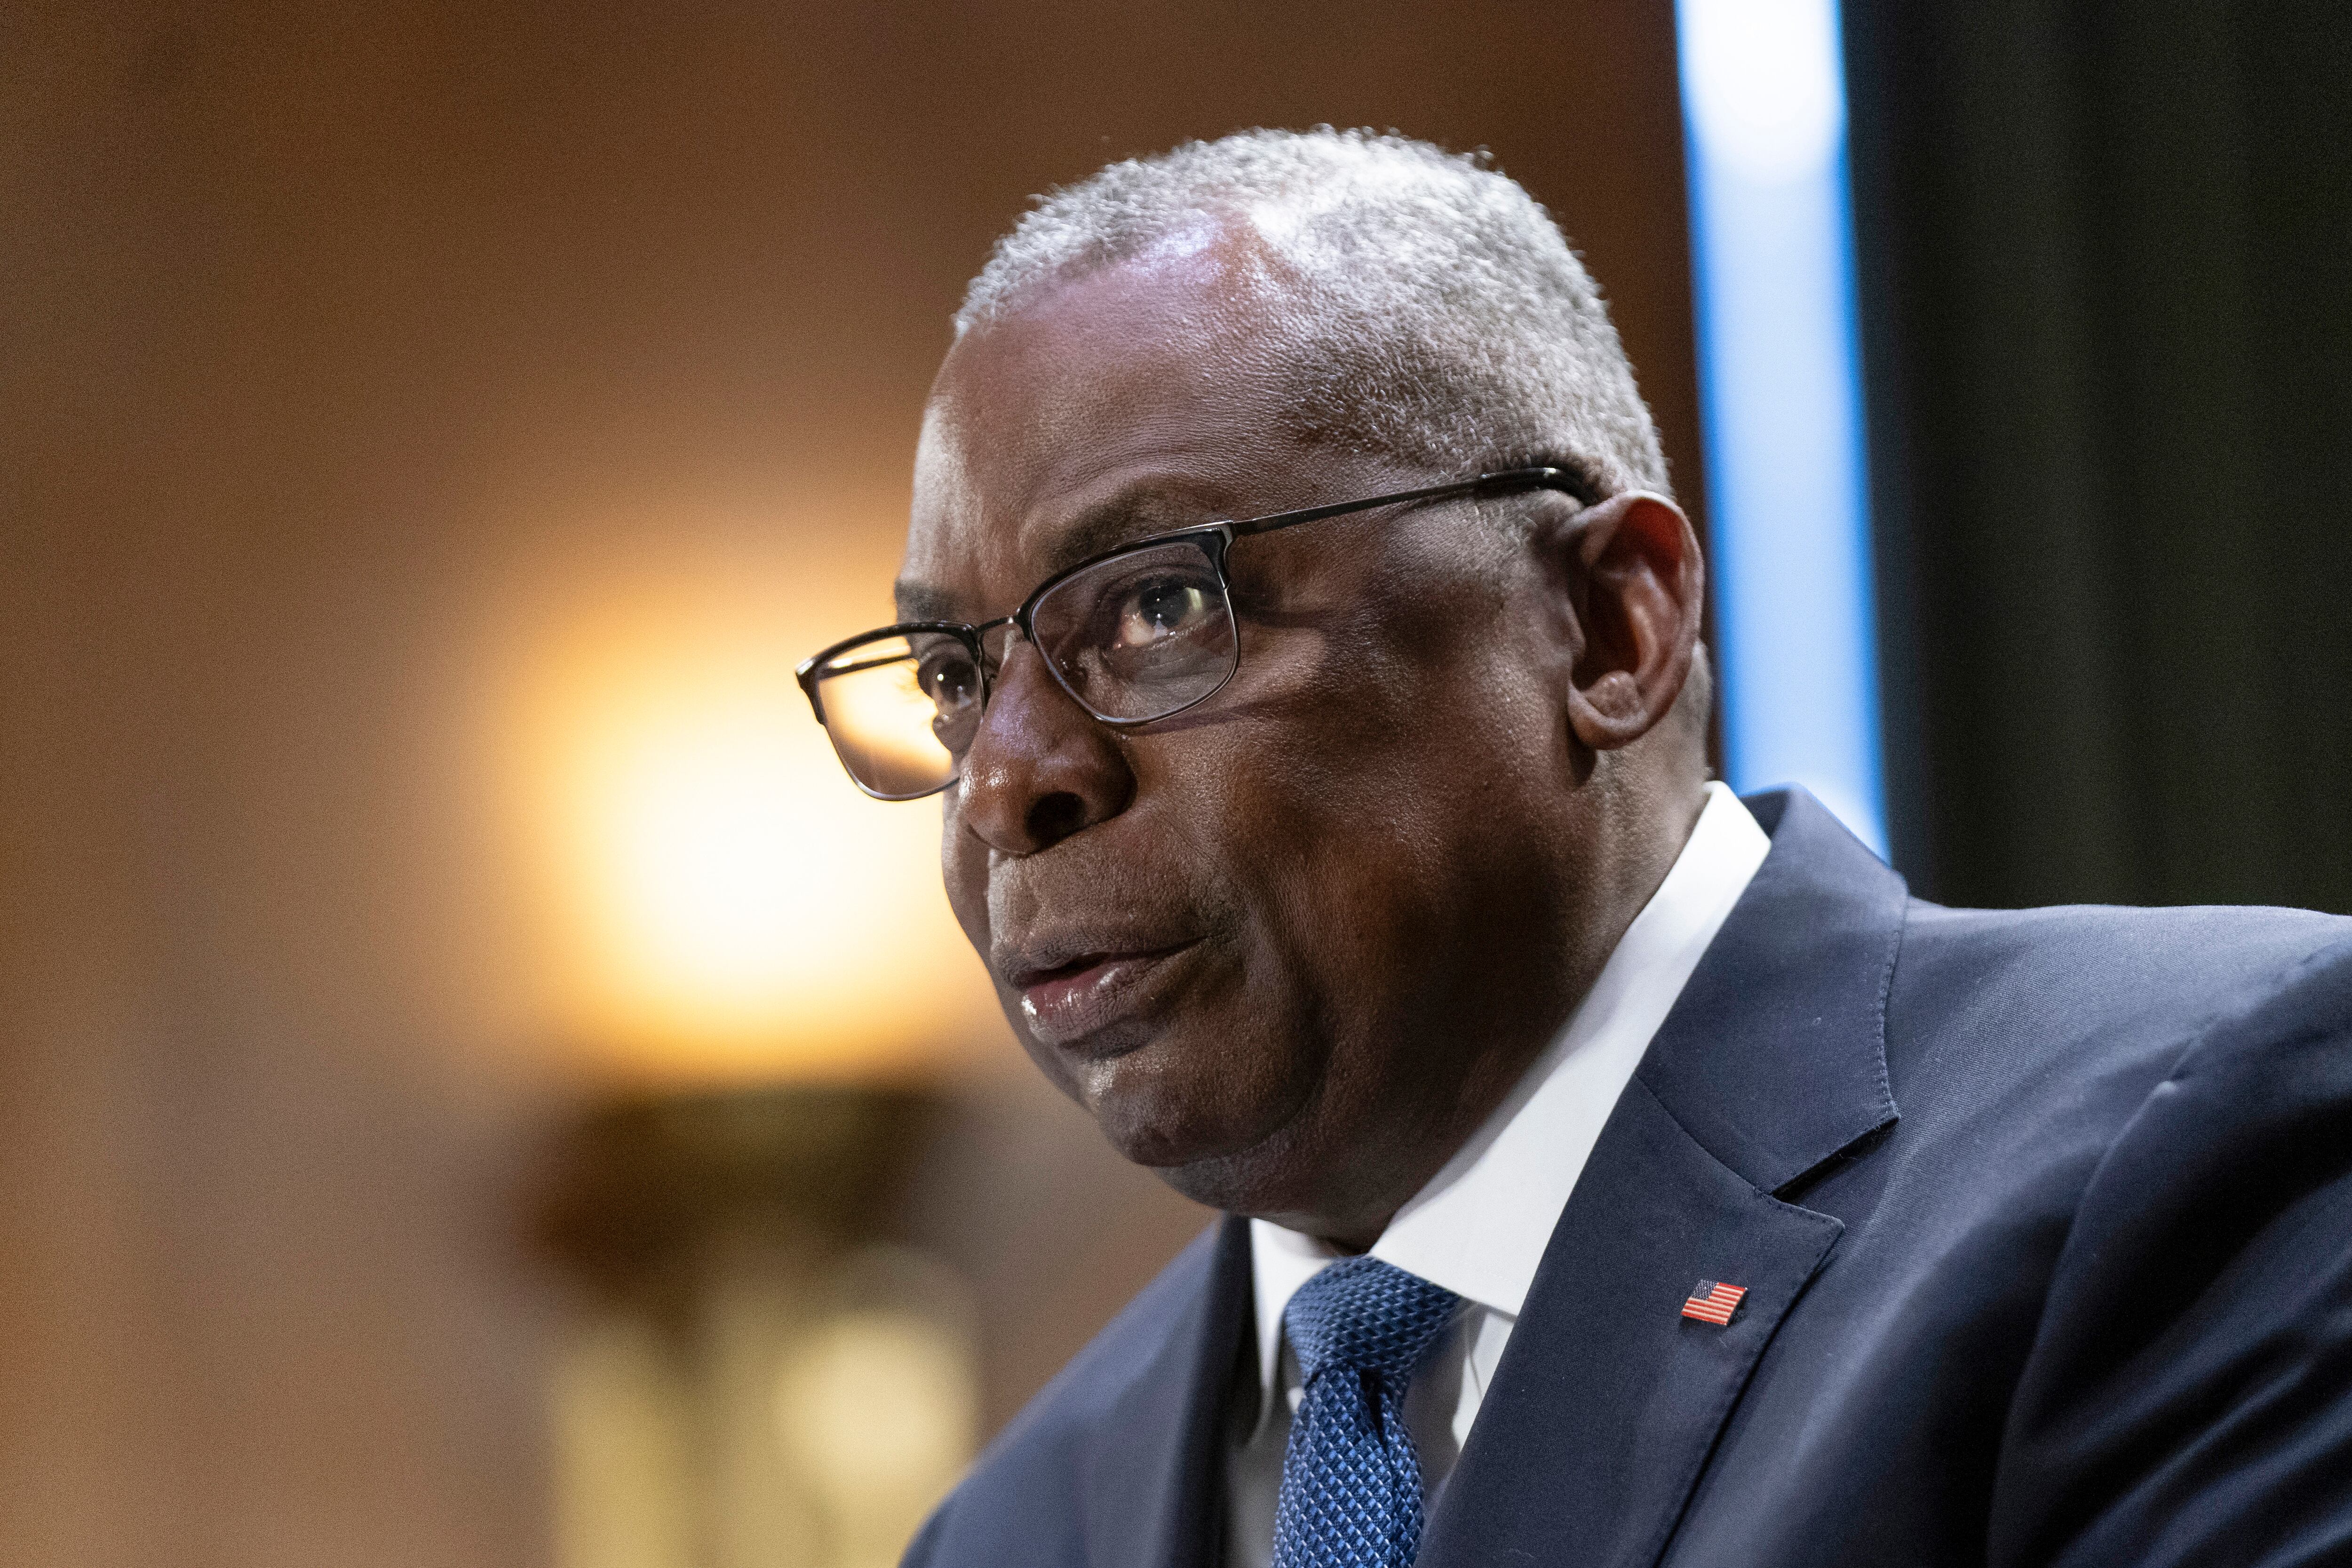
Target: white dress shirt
x,y
1480,1227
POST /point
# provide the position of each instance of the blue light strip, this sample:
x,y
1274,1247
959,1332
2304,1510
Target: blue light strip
x,y
1764,108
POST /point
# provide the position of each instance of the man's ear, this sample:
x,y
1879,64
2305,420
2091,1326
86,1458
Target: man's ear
x,y
1627,587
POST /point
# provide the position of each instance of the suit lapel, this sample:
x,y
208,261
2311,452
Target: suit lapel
x,y
1608,1398
1774,1058
1153,1482
1608,1401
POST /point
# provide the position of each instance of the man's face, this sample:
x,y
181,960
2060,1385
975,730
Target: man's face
x,y
1280,944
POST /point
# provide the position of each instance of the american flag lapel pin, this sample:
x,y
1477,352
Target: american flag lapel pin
x,y
1713,1302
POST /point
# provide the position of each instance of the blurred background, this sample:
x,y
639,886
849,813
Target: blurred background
x,y
481,1089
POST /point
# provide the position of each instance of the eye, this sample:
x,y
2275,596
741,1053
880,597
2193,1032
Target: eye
x,y
1159,608
948,676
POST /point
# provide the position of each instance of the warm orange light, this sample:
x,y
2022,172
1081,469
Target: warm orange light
x,y
723,902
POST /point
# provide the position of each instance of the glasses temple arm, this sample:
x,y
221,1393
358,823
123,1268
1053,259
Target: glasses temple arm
x,y
1507,482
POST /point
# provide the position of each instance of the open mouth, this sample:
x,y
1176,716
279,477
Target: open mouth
x,y
1024,979
1067,1002
1071,970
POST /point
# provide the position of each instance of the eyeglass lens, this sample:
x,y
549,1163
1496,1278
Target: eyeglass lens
x,y
1134,637
892,706
1140,635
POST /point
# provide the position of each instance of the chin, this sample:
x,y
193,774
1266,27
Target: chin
x,y
1233,1184
1270,1181
1212,1133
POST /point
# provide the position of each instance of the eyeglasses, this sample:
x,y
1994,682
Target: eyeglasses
x,y
1134,634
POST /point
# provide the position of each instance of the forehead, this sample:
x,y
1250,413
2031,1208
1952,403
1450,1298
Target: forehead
x,y
1142,397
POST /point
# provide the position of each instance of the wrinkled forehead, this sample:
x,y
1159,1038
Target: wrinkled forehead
x,y
1138,399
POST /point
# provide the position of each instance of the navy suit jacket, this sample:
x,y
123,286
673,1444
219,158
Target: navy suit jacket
x,y
2046,1218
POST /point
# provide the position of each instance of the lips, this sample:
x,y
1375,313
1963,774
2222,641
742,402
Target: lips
x,y
1071,1001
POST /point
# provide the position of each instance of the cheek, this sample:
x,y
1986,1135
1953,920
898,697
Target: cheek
x,y
1331,878
963,870
1362,841
1345,906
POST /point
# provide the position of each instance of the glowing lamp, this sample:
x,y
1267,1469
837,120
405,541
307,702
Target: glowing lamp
x,y
752,965
722,904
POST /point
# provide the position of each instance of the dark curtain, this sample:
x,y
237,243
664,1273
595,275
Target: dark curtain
x,y
2105,274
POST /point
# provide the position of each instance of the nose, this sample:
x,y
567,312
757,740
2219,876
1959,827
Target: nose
x,y
1041,768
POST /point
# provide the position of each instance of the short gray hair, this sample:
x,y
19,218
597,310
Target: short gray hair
x,y
1458,329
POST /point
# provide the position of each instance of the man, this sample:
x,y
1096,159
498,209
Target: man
x,y
1305,639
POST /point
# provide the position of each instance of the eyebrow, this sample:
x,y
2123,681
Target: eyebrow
x,y
924,602
1141,510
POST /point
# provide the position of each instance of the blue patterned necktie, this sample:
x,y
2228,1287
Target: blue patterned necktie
x,y
1350,1480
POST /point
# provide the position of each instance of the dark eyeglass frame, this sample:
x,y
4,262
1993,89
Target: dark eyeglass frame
x,y
1214,539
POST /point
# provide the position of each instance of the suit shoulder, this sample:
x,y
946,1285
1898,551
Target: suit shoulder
x,y
2105,978
2285,1038
2192,1345
2031,1038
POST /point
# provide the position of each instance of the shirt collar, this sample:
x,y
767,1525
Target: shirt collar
x,y
1480,1226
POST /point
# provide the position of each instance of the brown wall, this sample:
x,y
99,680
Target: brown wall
x,y
332,332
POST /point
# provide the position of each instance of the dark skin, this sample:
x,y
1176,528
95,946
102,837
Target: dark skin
x,y
1340,907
